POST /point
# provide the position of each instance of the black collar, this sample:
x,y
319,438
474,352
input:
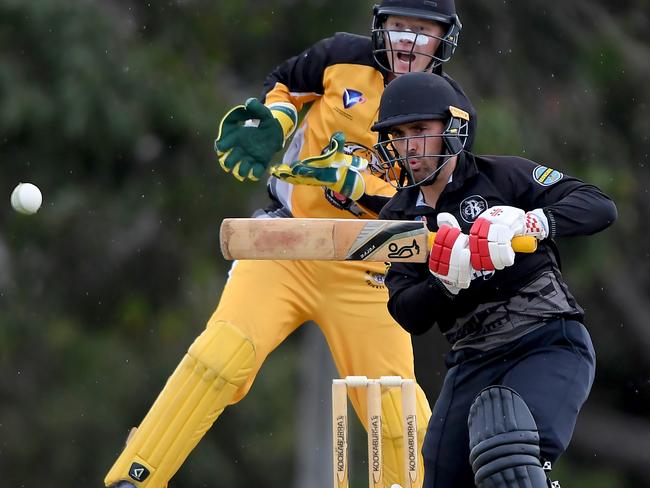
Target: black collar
x,y
465,169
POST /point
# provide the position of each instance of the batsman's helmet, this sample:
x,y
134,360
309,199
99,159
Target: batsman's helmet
x,y
416,97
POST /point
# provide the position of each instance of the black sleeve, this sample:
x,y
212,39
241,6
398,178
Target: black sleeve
x,y
584,211
413,291
413,294
573,208
304,72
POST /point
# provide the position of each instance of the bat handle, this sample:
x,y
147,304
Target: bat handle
x,y
527,244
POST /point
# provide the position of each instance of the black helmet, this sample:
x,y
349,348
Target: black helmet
x,y
410,98
441,11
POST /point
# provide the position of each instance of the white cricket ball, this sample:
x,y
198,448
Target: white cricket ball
x,y
26,198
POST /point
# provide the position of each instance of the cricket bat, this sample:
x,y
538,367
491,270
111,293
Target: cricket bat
x,y
334,240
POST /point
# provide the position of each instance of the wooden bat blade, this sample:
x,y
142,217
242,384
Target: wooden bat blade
x,y
324,239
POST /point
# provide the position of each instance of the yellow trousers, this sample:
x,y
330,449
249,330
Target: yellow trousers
x,y
262,303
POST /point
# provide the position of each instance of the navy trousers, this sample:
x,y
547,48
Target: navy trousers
x,y
552,368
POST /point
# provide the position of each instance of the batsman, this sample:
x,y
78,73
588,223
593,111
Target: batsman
x,y
343,78
521,363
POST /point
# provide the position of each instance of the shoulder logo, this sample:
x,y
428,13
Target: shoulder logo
x,y
472,207
352,97
546,176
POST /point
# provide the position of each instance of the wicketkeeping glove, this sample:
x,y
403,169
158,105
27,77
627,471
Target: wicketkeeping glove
x,y
492,231
449,260
248,138
334,169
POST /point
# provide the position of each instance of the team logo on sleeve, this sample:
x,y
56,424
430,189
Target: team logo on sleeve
x,y
472,207
546,176
352,97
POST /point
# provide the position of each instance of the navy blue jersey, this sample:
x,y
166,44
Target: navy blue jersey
x,y
499,305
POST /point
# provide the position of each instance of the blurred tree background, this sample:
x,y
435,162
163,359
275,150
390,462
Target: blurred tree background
x,y
111,108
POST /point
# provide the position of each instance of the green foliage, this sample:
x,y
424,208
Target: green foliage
x,y
111,107
499,130
575,474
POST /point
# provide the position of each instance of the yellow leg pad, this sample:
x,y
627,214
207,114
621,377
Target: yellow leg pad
x,y
216,365
392,440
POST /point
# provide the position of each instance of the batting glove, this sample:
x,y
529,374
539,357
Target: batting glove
x,y
449,260
333,169
491,234
249,136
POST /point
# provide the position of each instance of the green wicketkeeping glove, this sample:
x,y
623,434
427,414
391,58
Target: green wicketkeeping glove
x,y
334,169
248,138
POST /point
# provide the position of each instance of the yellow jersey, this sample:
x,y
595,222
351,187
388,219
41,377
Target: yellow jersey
x,y
344,84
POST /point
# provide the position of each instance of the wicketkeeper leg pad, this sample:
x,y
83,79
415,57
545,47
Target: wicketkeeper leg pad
x,y
504,442
392,436
216,365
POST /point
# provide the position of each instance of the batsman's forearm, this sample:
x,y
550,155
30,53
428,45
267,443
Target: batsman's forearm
x,y
411,307
584,211
413,294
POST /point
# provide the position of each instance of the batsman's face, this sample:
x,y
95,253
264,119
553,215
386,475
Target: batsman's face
x,y
411,42
419,145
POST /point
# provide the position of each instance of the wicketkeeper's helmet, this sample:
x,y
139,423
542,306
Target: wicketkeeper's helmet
x,y
441,11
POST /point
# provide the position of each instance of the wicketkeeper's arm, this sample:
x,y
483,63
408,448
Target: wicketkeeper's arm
x,y
295,82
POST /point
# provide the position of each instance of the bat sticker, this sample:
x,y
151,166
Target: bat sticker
x,y
403,252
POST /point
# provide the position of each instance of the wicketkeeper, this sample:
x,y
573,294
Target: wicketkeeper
x,y
343,78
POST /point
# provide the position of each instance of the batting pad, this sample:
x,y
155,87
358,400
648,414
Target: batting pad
x,y
216,365
392,435
504,441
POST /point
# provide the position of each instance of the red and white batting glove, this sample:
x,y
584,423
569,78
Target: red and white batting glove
x,y
491,235
449,260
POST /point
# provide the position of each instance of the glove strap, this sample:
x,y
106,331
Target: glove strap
x,y
287,115
536,224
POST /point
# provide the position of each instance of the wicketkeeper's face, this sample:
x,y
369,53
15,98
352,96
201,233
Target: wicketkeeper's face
x,y
419,146
411,42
